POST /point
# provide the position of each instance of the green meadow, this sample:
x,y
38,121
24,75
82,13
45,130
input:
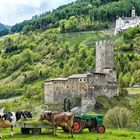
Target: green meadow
x,y
133,90
110,134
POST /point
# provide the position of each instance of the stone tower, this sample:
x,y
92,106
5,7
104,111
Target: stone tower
x,y
104,56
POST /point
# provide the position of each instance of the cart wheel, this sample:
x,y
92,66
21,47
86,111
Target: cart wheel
x,y
36,131
101,129
93,126
77,126
25,130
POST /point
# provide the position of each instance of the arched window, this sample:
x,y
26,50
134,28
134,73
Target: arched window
x,y
127,22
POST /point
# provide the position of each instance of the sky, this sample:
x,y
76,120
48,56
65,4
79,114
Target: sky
x,y
15,11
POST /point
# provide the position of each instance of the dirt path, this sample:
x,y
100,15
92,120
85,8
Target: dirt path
x,y
10,99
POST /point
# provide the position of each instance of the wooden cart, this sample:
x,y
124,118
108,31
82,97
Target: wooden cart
x,y
34,128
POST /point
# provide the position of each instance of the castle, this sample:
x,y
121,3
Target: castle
x,y
100,82
127,22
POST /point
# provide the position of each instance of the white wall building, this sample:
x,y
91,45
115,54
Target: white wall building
x,y
124,23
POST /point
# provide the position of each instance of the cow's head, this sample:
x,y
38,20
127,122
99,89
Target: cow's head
x,y
4,116
46,115
23,114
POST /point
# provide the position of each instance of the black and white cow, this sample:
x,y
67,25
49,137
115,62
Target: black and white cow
x,y
9,119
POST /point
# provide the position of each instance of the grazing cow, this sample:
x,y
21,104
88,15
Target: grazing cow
x,y
62,119
9,119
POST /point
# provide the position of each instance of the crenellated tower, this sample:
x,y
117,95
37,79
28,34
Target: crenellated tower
x,y
104,56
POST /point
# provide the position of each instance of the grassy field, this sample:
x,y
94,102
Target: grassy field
x,y
115,134
88,38
133,90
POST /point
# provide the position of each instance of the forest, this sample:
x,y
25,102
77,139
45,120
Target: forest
x,y
82,15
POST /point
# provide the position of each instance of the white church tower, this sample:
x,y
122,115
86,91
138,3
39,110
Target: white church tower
x,y
133,14
123,24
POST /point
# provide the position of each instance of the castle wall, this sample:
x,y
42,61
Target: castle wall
x,y
57,91
102,85
109,55
49,92
102,82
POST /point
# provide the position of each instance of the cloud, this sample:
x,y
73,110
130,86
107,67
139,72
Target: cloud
x,y
15,11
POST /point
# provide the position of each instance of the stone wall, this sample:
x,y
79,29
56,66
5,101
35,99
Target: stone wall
x,y
95,84
56,91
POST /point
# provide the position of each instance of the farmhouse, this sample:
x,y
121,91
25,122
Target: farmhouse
x,y
100,82
124,23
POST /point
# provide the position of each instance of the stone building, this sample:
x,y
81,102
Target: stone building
x,y
100,82
124,23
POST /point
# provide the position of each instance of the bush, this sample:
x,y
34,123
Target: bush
x,y
135,109
117,117
26,67
35,91
30,77
123,92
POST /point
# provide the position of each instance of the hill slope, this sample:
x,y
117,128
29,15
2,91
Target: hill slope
x,y
27,60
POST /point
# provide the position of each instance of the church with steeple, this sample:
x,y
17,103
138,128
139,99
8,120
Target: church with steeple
x,y
124,23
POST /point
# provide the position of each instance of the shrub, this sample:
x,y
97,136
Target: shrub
x,y
26,67
123,91
117,117
135,109
30,77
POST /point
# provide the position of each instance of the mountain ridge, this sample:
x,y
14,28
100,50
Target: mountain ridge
x,y
4,29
